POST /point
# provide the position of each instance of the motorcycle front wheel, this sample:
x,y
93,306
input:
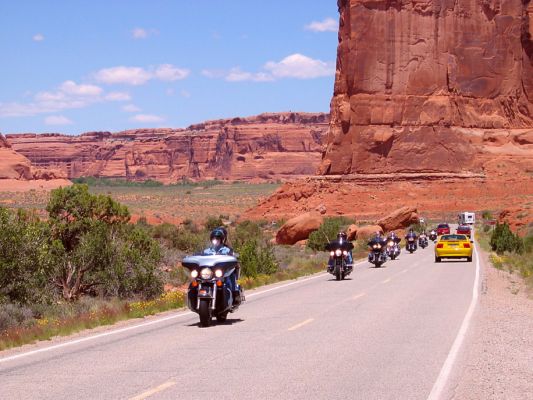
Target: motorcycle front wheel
x,y
205,314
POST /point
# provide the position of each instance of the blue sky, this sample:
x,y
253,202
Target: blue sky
x,y
75,66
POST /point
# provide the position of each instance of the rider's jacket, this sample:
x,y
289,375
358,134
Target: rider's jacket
x,y
223,250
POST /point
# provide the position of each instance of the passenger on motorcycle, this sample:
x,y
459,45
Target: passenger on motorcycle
x,y
341,238
219,246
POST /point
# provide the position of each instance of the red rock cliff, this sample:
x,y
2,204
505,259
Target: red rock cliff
x,y
425,86
267,146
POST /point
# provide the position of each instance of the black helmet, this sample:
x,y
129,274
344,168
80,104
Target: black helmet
x,y
342,236
219,233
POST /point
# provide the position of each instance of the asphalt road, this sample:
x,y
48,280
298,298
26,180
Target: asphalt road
x,y
381,334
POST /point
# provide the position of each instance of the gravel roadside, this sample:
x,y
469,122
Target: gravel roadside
x,y
497,361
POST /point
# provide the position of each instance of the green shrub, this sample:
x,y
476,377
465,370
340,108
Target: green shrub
x,y
327,232
502,240
256,259
486,214
213,222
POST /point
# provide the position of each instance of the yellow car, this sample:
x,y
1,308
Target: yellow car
x,y
453,246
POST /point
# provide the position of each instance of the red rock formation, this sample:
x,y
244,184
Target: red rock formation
x,y
267,146
299,228
432,106
398,219
12,164
418,82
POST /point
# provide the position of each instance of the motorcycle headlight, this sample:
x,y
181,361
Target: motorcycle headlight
x,y
219,273
391,243
331,253
194,273
206,273
344,253
375,246
378,246
338,252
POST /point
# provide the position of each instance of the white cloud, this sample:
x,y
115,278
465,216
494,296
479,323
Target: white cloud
x,y
236,75
139,33
57,120
68,95
118,96
167,72
300,67
39,37
125,75
131,108
328,25
71,87
139,76
295,66
146,118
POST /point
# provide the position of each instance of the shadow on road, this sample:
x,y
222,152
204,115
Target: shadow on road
x,y
229,321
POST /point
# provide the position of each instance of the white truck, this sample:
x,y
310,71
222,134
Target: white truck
x,y
467,218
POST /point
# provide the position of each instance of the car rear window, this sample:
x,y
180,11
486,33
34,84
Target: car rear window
x,y
443,226
453,237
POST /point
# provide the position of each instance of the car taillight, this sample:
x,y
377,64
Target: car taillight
x,y
466,245
440,246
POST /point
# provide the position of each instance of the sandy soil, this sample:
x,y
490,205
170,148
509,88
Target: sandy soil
x,y
498,359
15,185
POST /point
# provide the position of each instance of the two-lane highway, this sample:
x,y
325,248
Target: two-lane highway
x,y
381,334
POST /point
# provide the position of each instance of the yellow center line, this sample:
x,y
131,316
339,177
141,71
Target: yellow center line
x,y
153,391
386,280
307,321
358,296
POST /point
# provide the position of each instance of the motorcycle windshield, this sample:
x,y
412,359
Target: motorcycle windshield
x,y
218,261
335,244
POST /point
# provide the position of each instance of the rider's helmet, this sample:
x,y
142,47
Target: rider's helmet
x,y
218,237
342,236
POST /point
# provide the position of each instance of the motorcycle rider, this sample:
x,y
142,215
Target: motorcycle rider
x,y
219,246
341,238
377,239
394,237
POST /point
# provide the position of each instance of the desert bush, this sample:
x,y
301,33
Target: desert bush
x,y
256,258
24,262
327,232
486,214
12,315
502,240
213,222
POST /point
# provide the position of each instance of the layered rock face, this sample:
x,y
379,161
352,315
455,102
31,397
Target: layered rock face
x,y
426,86
267,146
12,164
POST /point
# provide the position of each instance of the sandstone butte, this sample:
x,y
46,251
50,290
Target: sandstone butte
x,y
265,147
432,107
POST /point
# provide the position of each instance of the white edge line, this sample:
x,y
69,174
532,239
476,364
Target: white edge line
x,y
442,379
142,325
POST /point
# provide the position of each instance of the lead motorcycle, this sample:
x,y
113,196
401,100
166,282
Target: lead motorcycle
x,y
393,249
209,293
433,235
338,255
410,245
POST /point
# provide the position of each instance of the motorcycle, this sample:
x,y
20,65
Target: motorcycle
x,y
423,242
377,255
433,235
338,253
411,244
393,249
209,293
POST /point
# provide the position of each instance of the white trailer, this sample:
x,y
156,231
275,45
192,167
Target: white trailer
x,y
467,218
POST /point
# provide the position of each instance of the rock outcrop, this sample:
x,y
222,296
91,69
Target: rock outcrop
x,y
12,164
420,86
398,219
432,106
299,228
265,147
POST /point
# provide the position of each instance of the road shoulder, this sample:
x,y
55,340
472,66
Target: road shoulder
x,y
497,359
